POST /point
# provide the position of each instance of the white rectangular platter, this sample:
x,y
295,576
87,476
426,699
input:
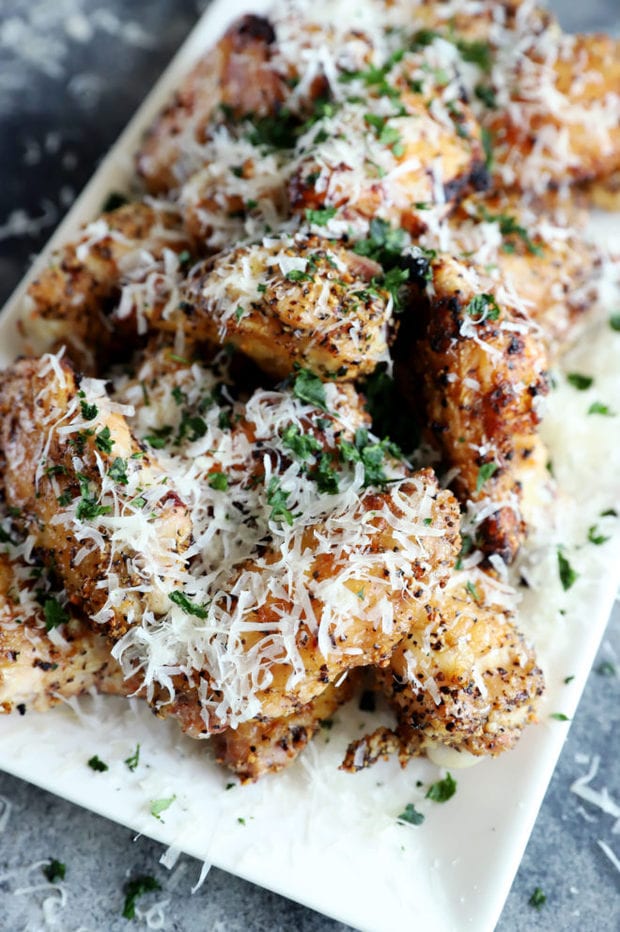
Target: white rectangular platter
x,y
322,837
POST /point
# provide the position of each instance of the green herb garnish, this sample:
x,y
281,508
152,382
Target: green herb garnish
x,y
308,387
484,474
190,608
443,790
135,888
55,870
411,815
160,805
133,761
276,498
568,576
578,381
97,765
54,613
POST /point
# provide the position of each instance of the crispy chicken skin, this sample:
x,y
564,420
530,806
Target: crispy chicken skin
x,y
290,303
235,77
41,466
36,672
68,303
256,748
463,678
480,370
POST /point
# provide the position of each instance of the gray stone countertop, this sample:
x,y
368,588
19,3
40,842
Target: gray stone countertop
x,y
71,74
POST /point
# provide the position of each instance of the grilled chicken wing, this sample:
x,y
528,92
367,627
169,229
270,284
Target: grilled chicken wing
x,y
237,78
288,303
398,161
259,747
46,655
481,371
67,462
534,249
464,678
128,259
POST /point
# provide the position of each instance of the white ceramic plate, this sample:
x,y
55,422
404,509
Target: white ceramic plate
x,y
324,838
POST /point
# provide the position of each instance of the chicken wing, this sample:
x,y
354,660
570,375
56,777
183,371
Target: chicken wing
x,y
289,302
235,78
46,655
256,748
481,372
130,258
464,678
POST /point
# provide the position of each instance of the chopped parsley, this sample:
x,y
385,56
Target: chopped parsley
x,y
486,94
133,761
471,588
158,438
118,471
276,498
508,226
384,243
302,445
135,888
476,53
89,412
606,668
308,387
277,131
320,218
103,440
486,138
569,679
595,537
97,765
296,275
239,312
483,307
160,805
568,576
113,201
55,870
325,475
392,281
614,322
484,474
443,790
371,454
598,408
559,717
190,608
578,381
54,613
537,899
218,481
411,815
88,508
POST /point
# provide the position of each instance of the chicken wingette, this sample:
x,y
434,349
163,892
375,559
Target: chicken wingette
x,y
289,302
256,748
481,372
535,249
235,77
129,259
36,671
465,678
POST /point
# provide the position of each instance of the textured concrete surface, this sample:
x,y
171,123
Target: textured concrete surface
x,y
71,73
